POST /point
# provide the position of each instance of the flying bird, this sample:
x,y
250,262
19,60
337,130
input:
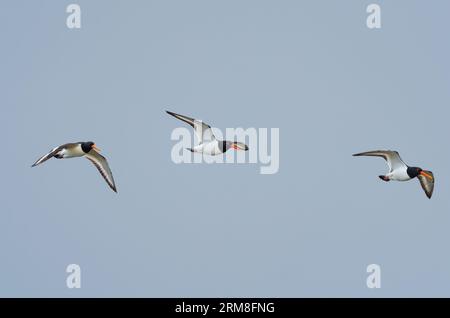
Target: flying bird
x,y
400,171
82,149
208,144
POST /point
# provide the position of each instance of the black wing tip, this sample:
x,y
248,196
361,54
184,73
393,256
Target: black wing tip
x,y
37,163
367,153
112,186
177,116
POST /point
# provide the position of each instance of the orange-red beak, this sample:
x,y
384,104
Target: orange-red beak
x,y
95,147
426,175
239,146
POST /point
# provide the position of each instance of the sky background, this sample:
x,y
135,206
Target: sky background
x,y
310,68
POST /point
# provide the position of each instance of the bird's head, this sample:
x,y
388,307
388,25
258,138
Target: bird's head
x,y
416,171
88,146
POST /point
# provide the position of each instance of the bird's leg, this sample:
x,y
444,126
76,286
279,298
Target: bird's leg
x,y
384,178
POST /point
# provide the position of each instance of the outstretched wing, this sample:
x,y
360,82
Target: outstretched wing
x,y
392,158
202,130
102,165
427,183
51,154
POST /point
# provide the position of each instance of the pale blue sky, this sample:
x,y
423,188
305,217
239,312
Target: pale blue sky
x,y
310,68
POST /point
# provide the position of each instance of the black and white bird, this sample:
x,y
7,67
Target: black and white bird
x,y
82,149
400,171
208,144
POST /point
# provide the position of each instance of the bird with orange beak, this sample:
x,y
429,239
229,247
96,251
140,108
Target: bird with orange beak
x,y
208,143
400,171
86,149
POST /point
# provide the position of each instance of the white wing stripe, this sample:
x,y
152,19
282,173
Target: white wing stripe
x,y
102,165
45,157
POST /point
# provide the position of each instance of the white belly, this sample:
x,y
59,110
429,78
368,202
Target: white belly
x,y
72,152
399,175
210,148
